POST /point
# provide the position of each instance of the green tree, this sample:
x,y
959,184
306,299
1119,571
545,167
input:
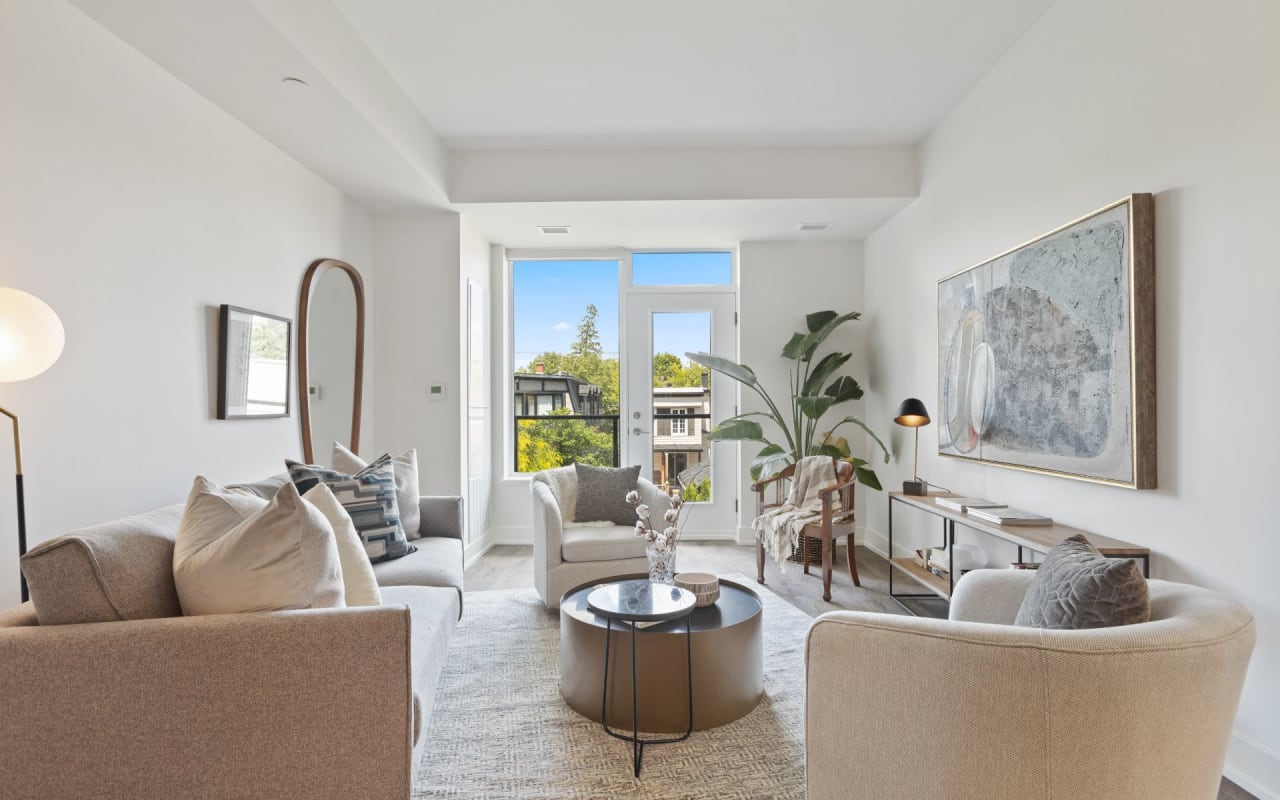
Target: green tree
x,y
559,439
697,491
588,341
670,370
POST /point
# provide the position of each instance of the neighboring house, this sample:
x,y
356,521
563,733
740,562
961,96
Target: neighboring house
x,y
680,417
538,394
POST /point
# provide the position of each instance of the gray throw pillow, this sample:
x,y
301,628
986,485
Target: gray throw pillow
x,y
1078,588
369,496
602,494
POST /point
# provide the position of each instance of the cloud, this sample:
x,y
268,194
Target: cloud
x,y
561,326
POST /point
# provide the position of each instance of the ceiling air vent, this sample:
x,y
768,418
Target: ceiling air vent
x,y
813,226
560,229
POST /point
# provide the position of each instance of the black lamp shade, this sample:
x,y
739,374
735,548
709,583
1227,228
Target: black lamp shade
x,y
912,414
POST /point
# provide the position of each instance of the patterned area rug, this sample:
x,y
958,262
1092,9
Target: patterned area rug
x,y
501,730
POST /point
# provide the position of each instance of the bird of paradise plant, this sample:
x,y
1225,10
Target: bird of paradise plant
x,y
810,401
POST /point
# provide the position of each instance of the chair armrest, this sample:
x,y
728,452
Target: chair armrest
x,y
441,516
235,705
876,681
657,500
548,530
990,595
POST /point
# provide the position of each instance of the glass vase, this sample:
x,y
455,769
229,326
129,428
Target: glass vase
x,y
662,564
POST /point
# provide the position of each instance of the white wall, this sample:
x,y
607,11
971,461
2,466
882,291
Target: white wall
x,y
1098,100
134,207
780,283
416,323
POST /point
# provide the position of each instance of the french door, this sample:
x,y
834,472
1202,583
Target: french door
x,y
670,403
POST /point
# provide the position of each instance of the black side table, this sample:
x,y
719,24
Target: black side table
x,y
641,601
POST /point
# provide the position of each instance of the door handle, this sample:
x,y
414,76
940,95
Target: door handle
x,y
637,431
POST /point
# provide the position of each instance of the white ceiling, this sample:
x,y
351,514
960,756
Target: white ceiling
x,y
678,223
519,74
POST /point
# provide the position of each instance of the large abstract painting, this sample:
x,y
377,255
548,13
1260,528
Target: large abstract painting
x,y
1046,353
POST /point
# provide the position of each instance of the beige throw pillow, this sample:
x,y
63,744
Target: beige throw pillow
x,y
405,469
236,553
358,581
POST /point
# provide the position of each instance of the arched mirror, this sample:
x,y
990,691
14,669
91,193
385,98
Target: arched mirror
x,y
330,355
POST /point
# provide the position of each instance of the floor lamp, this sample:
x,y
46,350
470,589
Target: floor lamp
x,y
31,339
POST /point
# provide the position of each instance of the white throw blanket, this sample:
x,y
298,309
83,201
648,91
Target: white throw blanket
x,y
779,528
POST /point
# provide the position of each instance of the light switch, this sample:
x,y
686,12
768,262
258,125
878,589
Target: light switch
x,y
435,391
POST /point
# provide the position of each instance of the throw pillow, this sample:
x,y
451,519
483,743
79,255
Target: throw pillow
x,y
405,469
369,496
1077,588
236,553
602,494
358,581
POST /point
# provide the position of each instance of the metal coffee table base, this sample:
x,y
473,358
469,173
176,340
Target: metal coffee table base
x,y
638,743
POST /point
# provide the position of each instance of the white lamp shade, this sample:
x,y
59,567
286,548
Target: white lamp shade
x,y
31,335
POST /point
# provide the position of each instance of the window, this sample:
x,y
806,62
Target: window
x,y
682,269
565,326
679,427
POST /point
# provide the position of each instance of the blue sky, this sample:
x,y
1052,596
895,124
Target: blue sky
x,y
551,298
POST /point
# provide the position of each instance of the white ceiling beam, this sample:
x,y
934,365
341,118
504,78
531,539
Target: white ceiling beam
x,y
749,173
351,124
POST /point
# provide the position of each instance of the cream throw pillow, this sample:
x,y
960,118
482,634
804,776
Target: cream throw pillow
x,y
236,553
405,469
358,581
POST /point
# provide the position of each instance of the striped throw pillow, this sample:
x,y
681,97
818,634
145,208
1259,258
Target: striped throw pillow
x,y
369,496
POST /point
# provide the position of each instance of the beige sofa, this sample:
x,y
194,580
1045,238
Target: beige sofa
x,y
330,703
973,707
568,554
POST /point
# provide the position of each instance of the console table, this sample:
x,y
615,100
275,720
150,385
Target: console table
x,y
1036,538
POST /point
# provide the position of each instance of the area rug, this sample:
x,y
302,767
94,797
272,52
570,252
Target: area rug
x,y
501,730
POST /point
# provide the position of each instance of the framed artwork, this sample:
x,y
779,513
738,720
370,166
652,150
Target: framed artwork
x,y
253,364
1046,353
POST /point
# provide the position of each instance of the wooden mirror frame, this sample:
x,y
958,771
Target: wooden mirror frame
x,y
318,268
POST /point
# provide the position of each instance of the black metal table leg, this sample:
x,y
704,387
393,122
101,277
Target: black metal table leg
x,y
638,743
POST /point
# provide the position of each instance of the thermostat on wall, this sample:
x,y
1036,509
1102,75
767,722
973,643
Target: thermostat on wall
x,y
435,391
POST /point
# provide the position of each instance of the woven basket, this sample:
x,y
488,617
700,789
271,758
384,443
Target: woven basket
x,y
815,551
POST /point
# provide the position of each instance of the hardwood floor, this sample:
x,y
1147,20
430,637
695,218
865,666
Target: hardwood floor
x,y
511,567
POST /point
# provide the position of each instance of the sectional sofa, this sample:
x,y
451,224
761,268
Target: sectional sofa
x,y
129,699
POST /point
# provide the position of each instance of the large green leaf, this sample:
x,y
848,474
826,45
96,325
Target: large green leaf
x,y
817,319
824,369
844,389
870,433
827,450
811,342
770,461
815,406
737,430
794,349
867,477
739,372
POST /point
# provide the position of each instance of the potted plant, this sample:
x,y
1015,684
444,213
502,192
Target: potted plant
x,y
812,396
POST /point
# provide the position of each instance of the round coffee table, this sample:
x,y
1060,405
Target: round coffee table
x,y
727,654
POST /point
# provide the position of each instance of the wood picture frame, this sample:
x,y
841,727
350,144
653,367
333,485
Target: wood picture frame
x,y
1046,352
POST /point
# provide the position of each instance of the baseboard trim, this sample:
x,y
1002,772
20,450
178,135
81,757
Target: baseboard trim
x,y
472,552
1253,766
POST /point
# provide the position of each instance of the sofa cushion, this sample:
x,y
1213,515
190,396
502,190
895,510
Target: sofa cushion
x,y
359,584
433,617
405,469
1077,588
115,571
369,497
238,553
437,562
600,544
602,494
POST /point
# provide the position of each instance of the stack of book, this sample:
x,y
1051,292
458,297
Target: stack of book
x,y
1009,516
966,503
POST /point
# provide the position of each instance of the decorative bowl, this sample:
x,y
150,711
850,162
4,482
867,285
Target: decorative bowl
x,y
704,585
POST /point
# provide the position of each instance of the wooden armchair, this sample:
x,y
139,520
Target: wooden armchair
x,y
834,523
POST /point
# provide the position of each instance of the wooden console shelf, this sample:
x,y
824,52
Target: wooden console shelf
x,y
1036,538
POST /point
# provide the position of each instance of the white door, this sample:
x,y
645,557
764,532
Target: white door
x,y
669,405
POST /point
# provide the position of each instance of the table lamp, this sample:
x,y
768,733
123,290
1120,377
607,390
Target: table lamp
x,y
912,414
31,339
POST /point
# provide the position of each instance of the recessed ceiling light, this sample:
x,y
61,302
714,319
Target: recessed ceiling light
x,y
558,229
813,226
294,82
